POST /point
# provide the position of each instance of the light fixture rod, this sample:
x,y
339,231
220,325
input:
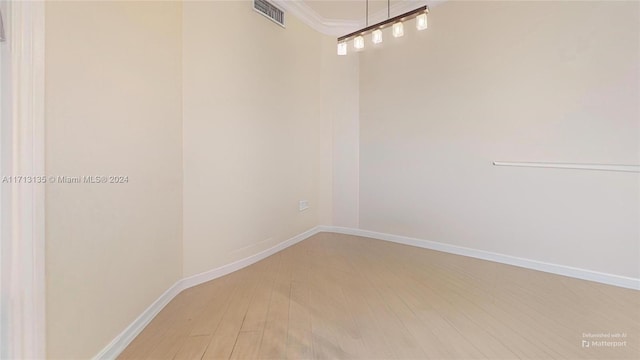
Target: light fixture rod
x,y
383,24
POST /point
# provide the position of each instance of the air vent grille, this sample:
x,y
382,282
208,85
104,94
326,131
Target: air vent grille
x,y
270,11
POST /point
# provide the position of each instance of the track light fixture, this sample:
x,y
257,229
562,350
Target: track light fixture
x,y
396,23
421,21
376,36
358,42
397,29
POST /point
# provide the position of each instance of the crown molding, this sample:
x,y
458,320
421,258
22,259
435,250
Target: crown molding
x,y
308,16
339,27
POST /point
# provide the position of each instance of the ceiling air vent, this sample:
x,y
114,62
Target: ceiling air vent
x,y
270,11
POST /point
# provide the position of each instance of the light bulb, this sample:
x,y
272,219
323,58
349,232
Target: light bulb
x,y
421,22
398,29
342,48
358,42
376,36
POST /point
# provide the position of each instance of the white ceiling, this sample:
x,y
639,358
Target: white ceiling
x,y
347,9
338,17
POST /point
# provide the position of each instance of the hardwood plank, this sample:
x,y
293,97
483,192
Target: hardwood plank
x,y
337,296
246,346
226,334
299,335
193,347
274,337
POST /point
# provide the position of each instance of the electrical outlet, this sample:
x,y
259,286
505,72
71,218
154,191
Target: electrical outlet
x,y
303,205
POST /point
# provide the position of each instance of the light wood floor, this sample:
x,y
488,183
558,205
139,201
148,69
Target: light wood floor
x,y
337,296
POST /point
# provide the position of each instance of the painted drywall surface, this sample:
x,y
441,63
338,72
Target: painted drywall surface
x,y
514,81
253,132
113,107
340,106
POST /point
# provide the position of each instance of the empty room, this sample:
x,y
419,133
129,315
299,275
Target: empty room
x,y
317,179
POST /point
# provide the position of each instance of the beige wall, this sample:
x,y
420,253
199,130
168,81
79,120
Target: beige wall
x,y
223,121
261,104
253,133
518,81
113,107
340,107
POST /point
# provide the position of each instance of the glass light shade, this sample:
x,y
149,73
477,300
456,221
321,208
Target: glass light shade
x,y
358,42
398,29
376,36
342,48
421,21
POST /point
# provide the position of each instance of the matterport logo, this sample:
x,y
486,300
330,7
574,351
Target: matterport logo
x,y
607,340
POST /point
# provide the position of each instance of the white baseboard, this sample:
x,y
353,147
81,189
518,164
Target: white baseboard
x,y
117,345
237,265
584,274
